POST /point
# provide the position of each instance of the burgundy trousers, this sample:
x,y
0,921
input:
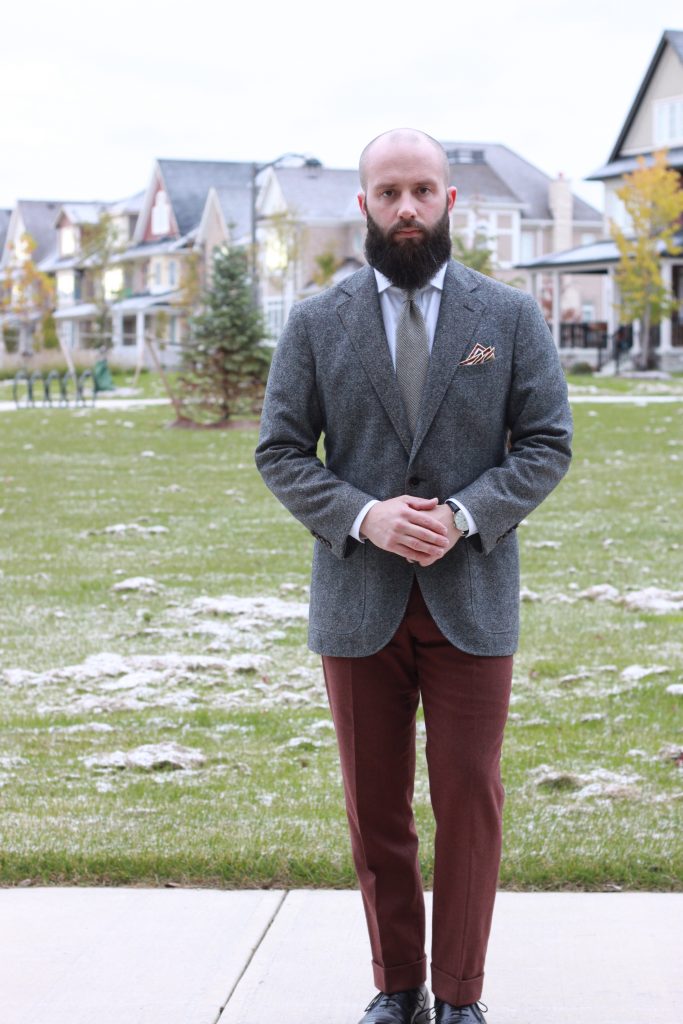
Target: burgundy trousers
x,y
465,699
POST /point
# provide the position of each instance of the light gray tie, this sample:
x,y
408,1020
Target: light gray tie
x,y
412,357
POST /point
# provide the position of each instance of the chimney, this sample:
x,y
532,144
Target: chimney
x,y
560,203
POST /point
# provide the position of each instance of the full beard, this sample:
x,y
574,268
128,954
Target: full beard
x,y
411,263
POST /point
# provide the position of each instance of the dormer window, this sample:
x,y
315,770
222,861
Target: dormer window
x,y
161,217
67,240
465,156
668,118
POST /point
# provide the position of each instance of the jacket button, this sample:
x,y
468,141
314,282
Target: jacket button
x,y
414,481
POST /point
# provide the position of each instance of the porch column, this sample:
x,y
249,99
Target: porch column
x,y
608,298
140,336
534,284
665,326
556,314
117,328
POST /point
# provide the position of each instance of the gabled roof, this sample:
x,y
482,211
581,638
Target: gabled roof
x,y
131,204
187,183
669,38
4,224
81,213
320,193
38,218
235,204
492,170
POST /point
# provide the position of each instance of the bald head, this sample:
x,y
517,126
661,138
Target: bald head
x,y
393,143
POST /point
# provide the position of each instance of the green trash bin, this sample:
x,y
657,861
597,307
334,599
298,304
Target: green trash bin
x,y
102,376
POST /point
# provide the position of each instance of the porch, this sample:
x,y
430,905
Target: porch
x,y
609,340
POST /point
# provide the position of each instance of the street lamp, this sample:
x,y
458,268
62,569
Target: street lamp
x,y
308,161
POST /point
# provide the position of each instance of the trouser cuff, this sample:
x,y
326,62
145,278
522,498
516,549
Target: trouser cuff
x,y
456,991
398,979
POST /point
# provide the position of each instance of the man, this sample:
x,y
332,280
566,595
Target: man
x,y
445,420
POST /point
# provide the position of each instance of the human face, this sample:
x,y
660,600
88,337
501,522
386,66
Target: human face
x,y
405,189
409,265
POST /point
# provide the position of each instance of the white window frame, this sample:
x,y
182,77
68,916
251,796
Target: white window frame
x,y
667,116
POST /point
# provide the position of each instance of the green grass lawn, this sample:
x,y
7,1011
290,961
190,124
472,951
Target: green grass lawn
x,y
592,761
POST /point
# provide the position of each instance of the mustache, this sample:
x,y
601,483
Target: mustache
x,y
403,225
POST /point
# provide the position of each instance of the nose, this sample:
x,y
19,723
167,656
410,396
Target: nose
x,y
407,209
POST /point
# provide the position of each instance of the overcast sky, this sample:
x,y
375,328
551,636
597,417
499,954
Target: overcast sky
x,y
92,94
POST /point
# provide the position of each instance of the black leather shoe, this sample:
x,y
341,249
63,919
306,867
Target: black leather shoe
x,y
444,1013
409,1007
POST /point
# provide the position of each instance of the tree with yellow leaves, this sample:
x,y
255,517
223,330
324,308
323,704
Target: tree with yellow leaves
x,y
28,295
653,198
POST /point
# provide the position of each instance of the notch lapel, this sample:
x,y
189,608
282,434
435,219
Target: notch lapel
x,y
459,314
361,317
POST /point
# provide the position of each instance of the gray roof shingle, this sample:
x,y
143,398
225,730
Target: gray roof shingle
x,y
320,193
498,166
187,184
4,224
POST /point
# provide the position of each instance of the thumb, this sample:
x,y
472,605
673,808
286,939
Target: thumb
x,y
421,503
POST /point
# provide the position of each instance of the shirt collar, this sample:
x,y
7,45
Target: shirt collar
x,y
436,282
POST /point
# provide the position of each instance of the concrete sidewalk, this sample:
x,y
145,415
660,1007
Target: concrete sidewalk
x,y
197,956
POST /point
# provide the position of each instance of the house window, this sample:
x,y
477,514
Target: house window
x,y
66,284
173,330
161,220
668,116
587,312
274,316
157,272
67,241
528,246
172,273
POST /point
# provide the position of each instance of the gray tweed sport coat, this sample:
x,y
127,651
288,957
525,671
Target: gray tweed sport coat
x,y
494,431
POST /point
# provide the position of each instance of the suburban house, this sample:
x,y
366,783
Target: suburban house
x,y
311,231
163,241
310,234
654,122
34,219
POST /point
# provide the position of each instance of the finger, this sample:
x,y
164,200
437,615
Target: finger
x,y
421,503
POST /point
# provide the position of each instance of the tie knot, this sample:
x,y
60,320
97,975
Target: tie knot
x,y
410,294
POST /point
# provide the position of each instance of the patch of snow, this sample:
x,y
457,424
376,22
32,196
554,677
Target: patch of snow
x,y
137,583
528,595
633,673
255,607
653,599
149,757
600,592
675,689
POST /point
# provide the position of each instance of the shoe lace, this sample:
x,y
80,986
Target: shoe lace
x,y
383,999
458,1013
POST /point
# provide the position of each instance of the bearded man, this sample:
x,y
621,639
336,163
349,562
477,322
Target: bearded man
x,y
445,419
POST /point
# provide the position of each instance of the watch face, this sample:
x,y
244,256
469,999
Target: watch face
x,y
461,521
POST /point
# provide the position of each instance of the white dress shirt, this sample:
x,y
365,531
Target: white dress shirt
x,y
391,301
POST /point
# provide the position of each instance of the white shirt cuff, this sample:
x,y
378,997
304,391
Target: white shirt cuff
x,y
471,525
355,526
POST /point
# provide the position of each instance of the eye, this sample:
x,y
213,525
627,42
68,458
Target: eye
x,y
388,192
424,190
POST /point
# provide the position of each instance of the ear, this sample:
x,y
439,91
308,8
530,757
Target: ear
x,y
362,204
451,194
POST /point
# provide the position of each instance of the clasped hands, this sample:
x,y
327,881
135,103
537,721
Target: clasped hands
x,y
418,529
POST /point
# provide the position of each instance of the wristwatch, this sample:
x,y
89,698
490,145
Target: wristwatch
x,y
459,518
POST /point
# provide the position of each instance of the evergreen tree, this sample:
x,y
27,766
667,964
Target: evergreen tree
x,y
478,256
225,365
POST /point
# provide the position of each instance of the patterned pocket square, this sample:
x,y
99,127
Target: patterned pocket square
x,y
479,354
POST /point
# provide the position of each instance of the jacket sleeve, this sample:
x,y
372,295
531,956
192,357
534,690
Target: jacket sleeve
x,y
287,451
540,425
